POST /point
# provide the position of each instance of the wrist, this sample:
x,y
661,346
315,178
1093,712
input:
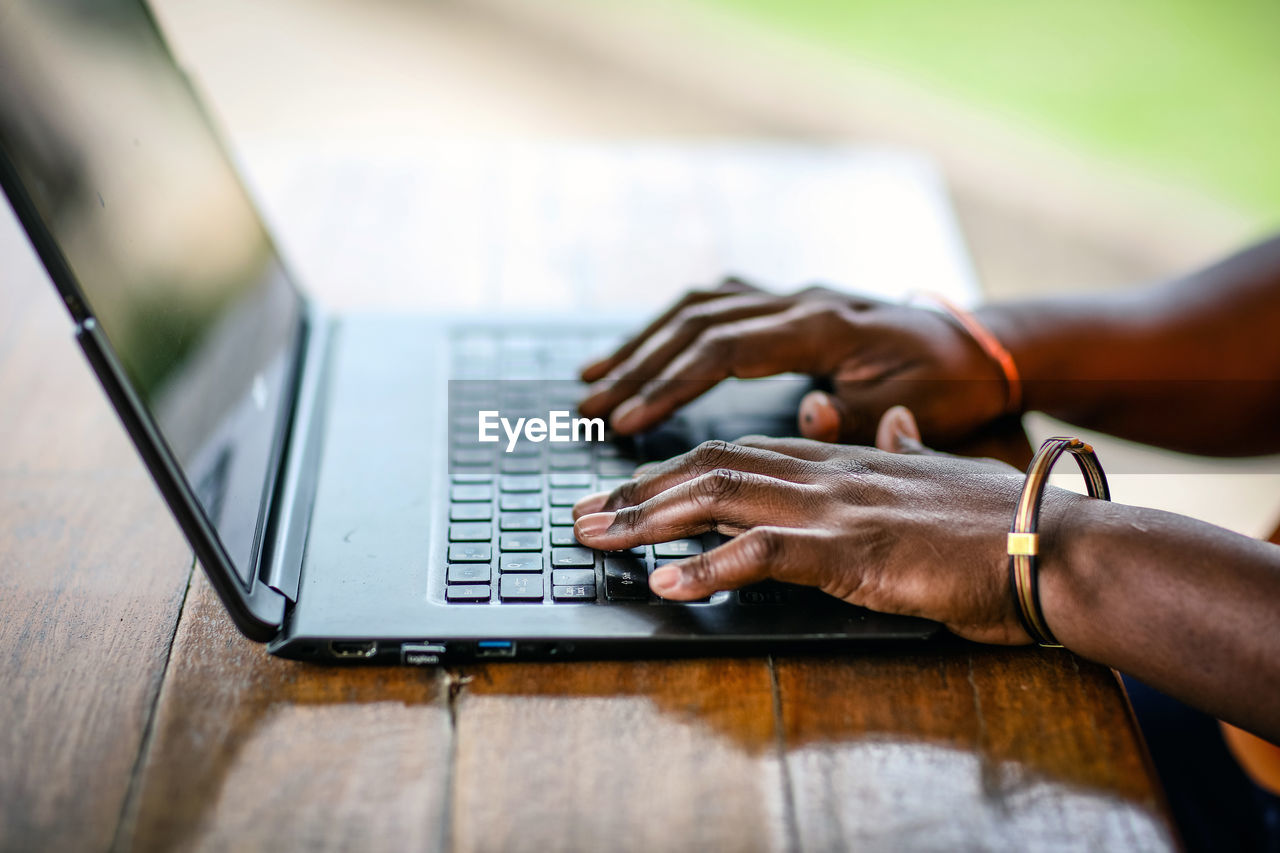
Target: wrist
x,y
1069,575
1007,324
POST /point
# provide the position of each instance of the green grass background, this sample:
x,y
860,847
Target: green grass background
x,y
1186,90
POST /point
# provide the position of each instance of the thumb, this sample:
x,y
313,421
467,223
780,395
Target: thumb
x,y
823,417
898,432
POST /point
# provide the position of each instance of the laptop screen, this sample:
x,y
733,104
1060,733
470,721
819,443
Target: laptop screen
x,y
123,168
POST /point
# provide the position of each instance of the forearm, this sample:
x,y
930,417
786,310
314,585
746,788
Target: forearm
x,y
1187,607
1169,365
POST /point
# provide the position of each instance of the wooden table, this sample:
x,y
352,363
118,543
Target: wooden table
x,y
134,716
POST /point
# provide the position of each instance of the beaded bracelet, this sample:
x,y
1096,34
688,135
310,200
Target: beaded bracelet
x,y
1024,541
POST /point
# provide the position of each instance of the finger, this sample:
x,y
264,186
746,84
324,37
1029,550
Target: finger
x,y
822,416
665,344
706,457
785,554
729,286
899,433
754,347
723,500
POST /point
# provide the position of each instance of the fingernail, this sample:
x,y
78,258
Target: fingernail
x,y
665,579
591,503
626,418
819,418
593,369
904,423
591,526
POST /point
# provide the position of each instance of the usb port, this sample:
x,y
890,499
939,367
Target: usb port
x,y
495,649
353,649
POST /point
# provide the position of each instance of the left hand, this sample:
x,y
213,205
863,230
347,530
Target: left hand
x,y
910,532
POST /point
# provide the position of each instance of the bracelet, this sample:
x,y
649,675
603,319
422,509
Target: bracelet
x,y
1024,541
990,345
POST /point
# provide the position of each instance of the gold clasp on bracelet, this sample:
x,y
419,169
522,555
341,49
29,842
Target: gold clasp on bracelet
x,y
1024,544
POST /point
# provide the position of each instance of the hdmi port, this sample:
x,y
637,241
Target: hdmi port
x,y
353,649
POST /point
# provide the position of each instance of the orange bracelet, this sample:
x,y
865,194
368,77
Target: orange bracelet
x,y
990,345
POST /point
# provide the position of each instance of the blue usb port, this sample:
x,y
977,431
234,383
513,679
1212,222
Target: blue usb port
x,y
495,649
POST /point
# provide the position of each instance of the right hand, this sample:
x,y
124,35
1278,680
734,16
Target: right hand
x,y
875,354
909,531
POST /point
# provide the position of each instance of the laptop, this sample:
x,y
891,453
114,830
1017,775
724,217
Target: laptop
x,y
347,482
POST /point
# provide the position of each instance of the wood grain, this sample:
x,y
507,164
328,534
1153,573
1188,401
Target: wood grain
x,y
251,752
92,574
620,756
1022,748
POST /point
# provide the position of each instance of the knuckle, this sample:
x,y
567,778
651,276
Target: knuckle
x,y
720,484
700,570
713,454
762,545
716,344
630,518
815,289
692,319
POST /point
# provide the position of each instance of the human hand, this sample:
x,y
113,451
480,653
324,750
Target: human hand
x,y
875,355
910,532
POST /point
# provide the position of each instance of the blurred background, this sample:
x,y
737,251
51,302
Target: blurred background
x,y
1086,146
1089,144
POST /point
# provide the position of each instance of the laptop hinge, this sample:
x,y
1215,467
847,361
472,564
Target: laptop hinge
x,y
286,538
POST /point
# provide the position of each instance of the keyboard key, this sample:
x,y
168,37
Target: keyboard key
x,y
470,553
567,497
472,456
473,593
523,449
521,541
521,588
638,551
563,536
626,579
562,516
573,577
520,563
475,531
678,548
471,475
470,512
521,521
581,592
571,461
615,468
608,484
469,573
521,483
521,465
569,558
521,502
563,480
471,493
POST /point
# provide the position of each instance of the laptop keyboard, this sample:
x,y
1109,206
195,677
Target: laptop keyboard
x,y
510,526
